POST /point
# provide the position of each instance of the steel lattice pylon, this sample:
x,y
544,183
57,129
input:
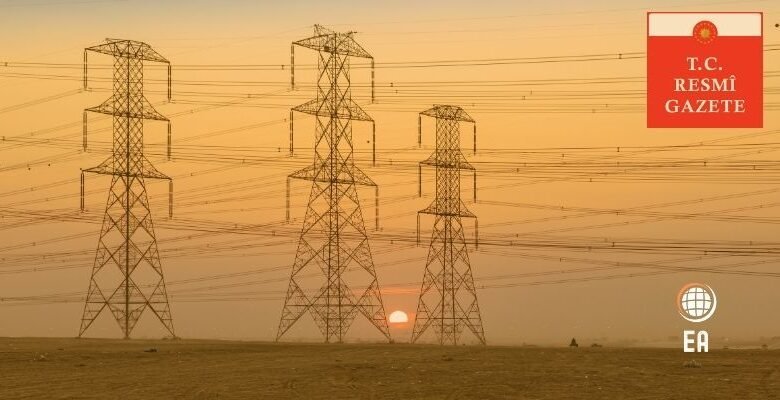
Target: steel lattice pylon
x,y
127,277
448,298
333,240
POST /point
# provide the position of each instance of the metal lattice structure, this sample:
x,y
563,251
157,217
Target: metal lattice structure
x,y
333,244
127,276
448,297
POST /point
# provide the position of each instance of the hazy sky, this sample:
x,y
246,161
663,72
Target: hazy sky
x,y
548,159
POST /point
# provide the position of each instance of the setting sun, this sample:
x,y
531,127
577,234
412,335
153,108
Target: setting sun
x,y
398,317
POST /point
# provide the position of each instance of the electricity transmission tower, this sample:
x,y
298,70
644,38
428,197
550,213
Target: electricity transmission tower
x,y
448,298
333,244
127,277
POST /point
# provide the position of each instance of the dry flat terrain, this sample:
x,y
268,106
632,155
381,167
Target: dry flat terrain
x,y
193,369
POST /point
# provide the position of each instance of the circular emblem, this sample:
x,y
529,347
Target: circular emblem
x,y
705,32
696,302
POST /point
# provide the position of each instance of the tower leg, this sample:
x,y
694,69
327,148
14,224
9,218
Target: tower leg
x,y
331,245
127,277
448,297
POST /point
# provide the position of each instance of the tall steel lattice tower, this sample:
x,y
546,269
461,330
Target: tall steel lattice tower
x,y
333,244
448,298
127,277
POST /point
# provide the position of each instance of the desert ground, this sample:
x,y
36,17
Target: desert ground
x,y
38,368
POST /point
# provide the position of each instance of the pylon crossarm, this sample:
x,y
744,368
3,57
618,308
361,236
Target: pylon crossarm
x,y
434,210
132,175
308,174
128,48
345,45
448,112
347,109
459,163
108,169
109,107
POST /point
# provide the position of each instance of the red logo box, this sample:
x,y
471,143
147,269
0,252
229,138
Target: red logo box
x,y
705,70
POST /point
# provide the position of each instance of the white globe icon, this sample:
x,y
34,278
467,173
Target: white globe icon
x,y
697,302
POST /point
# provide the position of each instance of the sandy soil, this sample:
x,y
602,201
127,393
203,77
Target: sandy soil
x,y
192,369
